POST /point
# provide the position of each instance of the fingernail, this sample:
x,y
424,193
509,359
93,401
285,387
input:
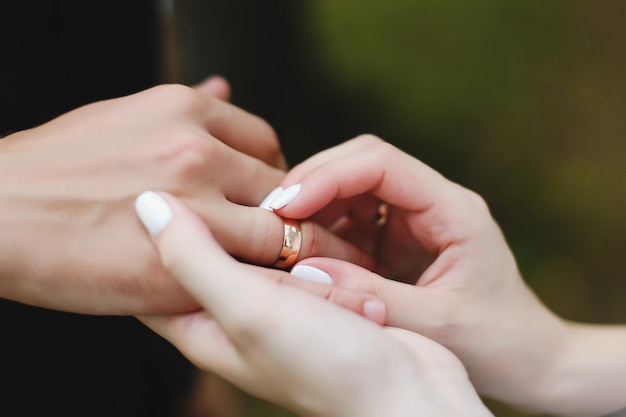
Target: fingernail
x,y
154,212
310,273
375,311
267,200
285,197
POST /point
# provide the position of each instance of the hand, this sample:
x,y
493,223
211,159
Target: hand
x,y
69,236
460,284
289,347
263,144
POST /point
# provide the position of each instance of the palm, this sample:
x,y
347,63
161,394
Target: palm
x,y
398,252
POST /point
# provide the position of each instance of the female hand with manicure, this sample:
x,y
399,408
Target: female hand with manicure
x,y
455,278
69,237
289,347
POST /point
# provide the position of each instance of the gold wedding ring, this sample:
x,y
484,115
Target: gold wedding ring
x,y
381,215
292,240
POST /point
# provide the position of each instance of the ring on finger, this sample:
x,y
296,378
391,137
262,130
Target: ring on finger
x,y
292,241
381,215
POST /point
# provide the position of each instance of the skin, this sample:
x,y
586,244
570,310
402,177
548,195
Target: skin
x,y
70,240
296,350
455,279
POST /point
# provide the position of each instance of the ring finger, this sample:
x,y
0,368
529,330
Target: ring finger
x,y
257,235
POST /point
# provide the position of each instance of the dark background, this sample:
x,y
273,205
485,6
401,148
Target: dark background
x,y
521,101
55,56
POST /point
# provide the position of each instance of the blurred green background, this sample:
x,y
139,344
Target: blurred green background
x,y
521,101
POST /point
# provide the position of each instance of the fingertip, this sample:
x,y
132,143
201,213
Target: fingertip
x,y
375,310
304,198
158,210
285,197
310,273
154,212
216,86
265,204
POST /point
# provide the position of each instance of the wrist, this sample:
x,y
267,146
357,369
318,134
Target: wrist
x,y
10,240
21,244
538,362
515,354
432,385
589,377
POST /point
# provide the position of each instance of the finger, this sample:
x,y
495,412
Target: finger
x,y
249,179
439,209
252,181
199,338
243,131
256,235
228,290
408,306
215,86
321,286
269,325
376,167
364,208
344,150
222,286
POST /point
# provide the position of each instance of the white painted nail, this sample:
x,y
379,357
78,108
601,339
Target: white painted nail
x,y
309,273
154,212
265,204
285,197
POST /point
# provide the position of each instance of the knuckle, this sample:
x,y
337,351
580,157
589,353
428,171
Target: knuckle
x,y
369,138
383,151
189,155
182,150
376,146
263,224
480,208
471,212
365,282
330,294
177,96
184,101
342,297
477,201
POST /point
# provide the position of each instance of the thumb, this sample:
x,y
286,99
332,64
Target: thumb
x,y
188,250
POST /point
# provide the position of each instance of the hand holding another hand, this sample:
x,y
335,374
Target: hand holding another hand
x,y
291,348
455,279
69,238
